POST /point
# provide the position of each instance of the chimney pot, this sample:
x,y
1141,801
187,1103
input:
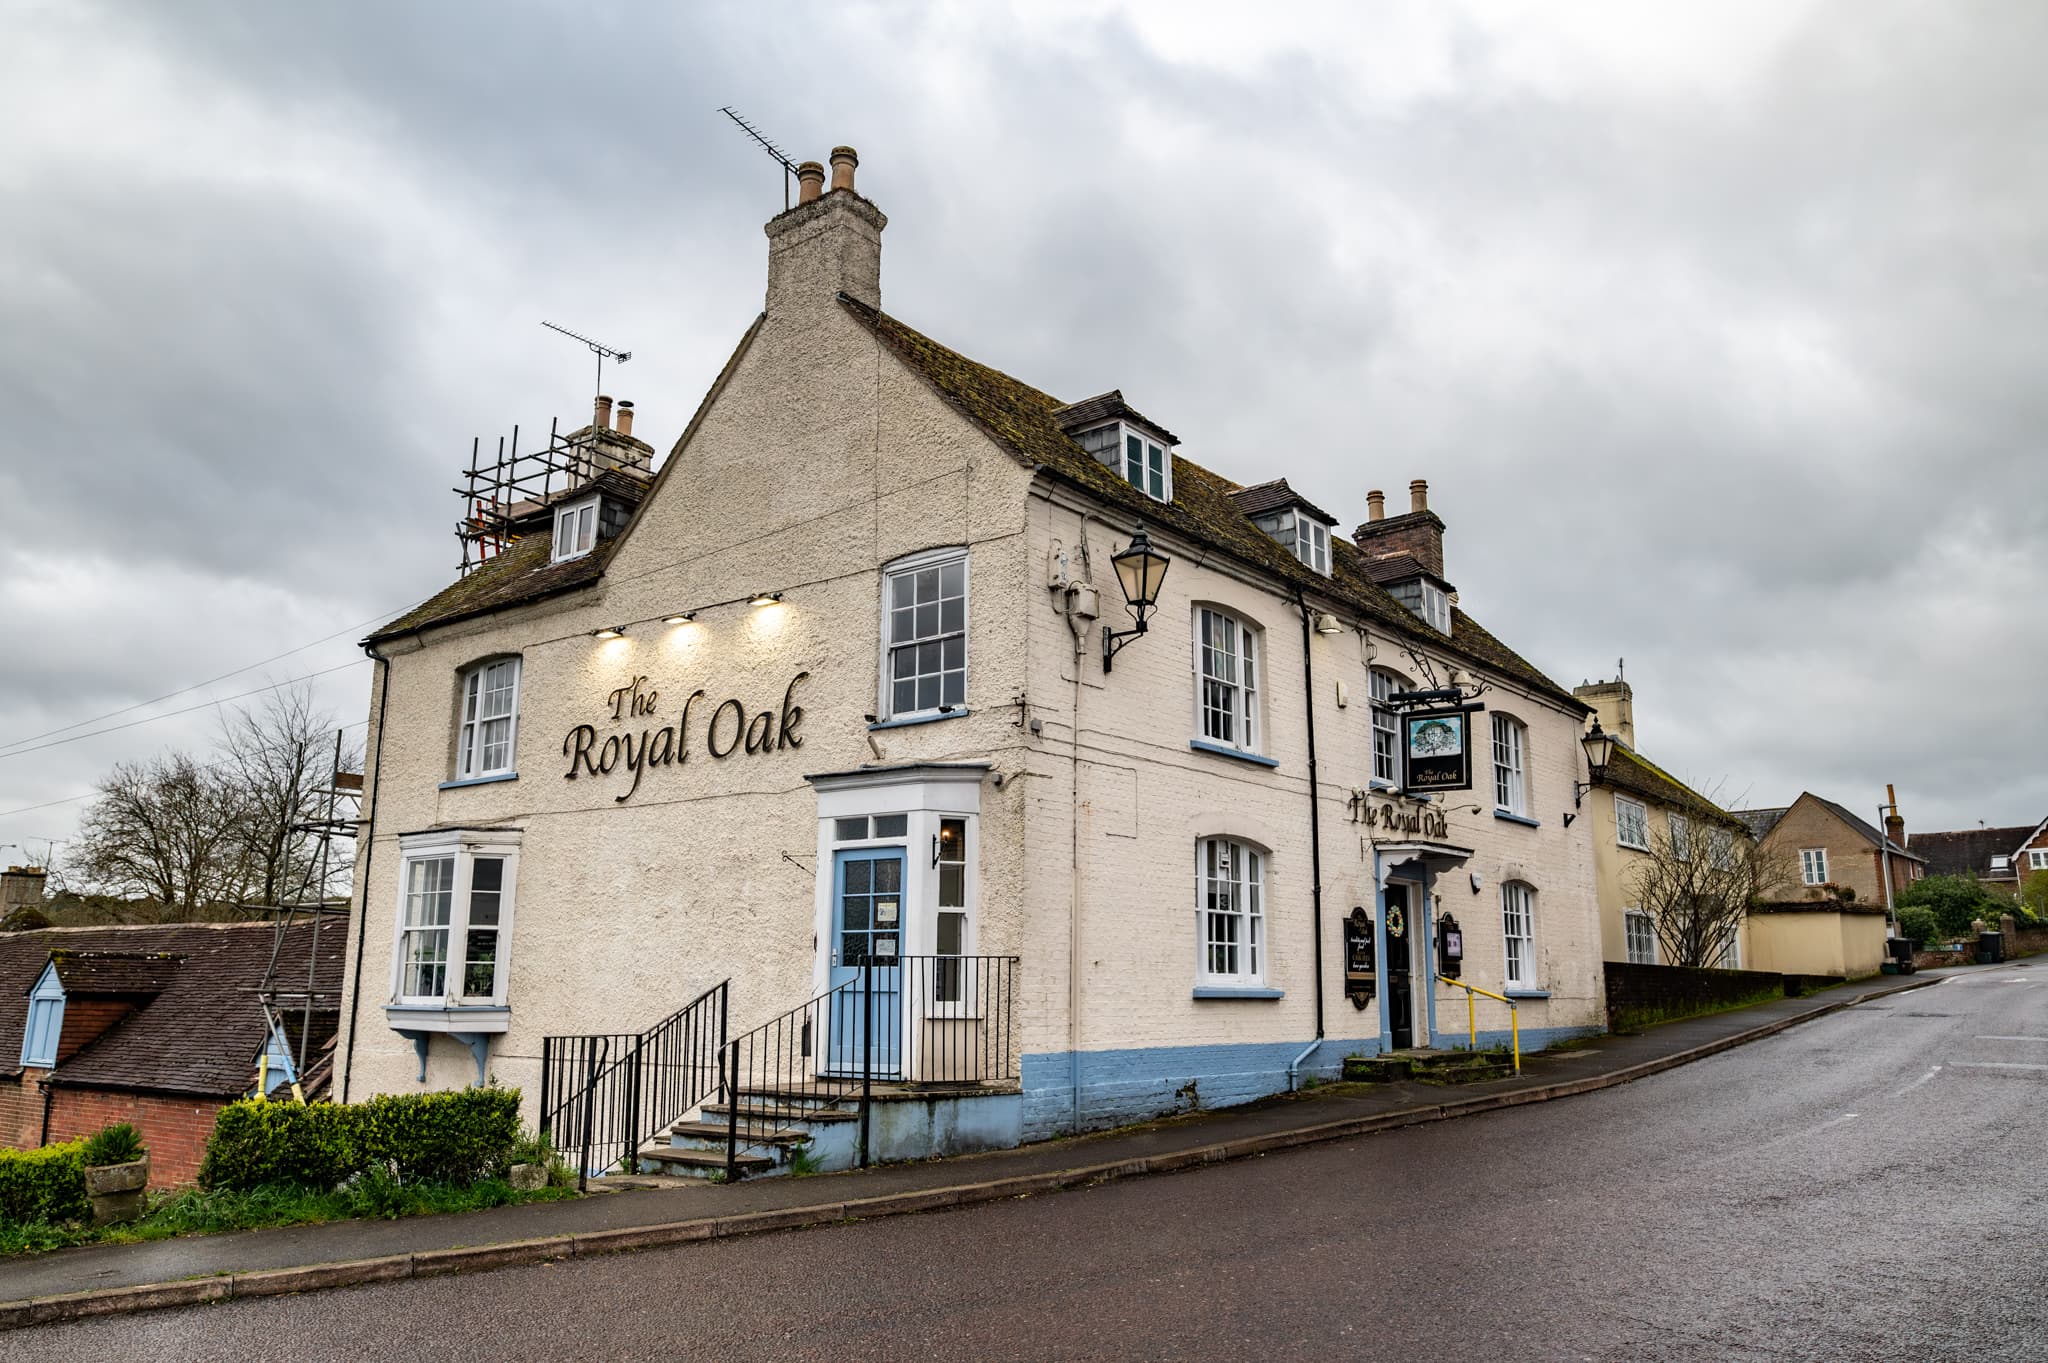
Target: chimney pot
x,y
1418,495
844,160
1376,505
810,181
602,418
625,417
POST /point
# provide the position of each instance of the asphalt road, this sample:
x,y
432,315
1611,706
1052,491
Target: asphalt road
x,y
1867,1186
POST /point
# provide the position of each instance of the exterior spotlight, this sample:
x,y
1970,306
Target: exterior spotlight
x,y
1326,623
609,632
1139,570
1599,746
683,619
765,598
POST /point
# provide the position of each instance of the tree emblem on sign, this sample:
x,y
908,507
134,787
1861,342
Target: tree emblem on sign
x,y
1432,737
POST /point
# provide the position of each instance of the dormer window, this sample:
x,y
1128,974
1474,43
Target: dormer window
x,y
1139,456
575,529
1302,535
1426,599
45,1020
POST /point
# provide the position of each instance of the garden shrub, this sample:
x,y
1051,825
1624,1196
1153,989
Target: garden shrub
x,y
456,1137
1917,924
1955,900
46,1185
116,1144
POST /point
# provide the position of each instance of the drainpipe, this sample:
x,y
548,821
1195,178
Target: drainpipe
x,y
1315,823
1080,634
355,995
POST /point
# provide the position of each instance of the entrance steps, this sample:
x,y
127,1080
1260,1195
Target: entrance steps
x,y
1428,1066
786,1130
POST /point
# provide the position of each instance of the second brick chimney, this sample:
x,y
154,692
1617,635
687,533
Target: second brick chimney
x,y
1419,532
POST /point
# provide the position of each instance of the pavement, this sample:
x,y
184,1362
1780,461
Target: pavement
x,y
103,1280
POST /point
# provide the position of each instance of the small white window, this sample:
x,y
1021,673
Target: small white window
x,y
2001,863
1303,536
1436,607
1631,824
1518,927
45,1023
1230,914
1147,466
490,719
1722,843
1226,679
454,914
924,634
1813,865
1681,836
1510,791
1386,729
2038,861
575,529
1641,930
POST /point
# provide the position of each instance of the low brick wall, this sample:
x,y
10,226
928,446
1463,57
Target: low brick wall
x,y
174,1128
1638,995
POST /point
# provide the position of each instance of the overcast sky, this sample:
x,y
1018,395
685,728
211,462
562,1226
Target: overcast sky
x,y
1718,330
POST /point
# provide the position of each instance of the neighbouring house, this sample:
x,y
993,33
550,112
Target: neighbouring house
x,y
2001,858
21,892
1635,809
840,720
1835,918
158,1026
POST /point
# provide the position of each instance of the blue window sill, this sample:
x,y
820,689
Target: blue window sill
x,y
1522,819
1220,991
480,780
1198,745
1377,784
957,712
1526,993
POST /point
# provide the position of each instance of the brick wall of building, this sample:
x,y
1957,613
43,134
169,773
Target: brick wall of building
x,y
21,1110
174,1128
86,1021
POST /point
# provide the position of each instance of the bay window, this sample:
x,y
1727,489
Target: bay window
x,y
454,918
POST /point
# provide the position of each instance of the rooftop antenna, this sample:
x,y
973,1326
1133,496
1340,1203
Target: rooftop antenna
x,y
602,352
781,157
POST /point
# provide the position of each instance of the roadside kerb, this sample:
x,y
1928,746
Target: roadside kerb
x,y
477,1258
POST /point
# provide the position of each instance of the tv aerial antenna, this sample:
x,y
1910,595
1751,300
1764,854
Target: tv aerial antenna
x,y
781,157
603,352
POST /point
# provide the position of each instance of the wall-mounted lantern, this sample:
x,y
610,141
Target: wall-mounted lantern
x,y
1139,570
1599,746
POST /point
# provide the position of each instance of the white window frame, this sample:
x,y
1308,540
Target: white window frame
x,y
464,849
1518,900
2001,862
1243,882
2037,859
1621,824
1813,865
1241,691
1386,726
470,732
1510,779
1436,606
1312,543
45,1008
582,529
1678,829
934,560
1636,924
1111,445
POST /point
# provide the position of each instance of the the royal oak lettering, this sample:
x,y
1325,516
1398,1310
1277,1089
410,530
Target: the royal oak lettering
x,y
730,728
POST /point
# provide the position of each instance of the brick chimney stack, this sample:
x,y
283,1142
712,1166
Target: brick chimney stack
x,y
1614,705
1894,822
830,243
1419,532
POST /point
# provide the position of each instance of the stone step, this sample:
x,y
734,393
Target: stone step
x,y
779,1112
750,1133
1427,1066
700,1163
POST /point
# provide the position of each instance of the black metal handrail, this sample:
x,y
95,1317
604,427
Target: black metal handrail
x,y
921,1019
602,1094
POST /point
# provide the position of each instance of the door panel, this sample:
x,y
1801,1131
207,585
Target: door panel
x,y
868,920
1399,967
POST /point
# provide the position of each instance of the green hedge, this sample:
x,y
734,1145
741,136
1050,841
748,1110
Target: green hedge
x,y
456,1137
43,1185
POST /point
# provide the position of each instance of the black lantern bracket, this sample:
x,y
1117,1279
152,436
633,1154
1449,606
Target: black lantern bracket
x,y
1139,570
1599,746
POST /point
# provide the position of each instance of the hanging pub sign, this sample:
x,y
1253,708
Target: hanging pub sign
x,y
1438,751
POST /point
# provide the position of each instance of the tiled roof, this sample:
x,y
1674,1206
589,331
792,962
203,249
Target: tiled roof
x,y
1394,567
115,973
1760,821
1107,407
200,1033
1260,498
1629,770
521,574
1864,828
1969,851
1028,423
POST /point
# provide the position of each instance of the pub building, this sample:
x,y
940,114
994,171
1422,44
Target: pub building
x,y
911,731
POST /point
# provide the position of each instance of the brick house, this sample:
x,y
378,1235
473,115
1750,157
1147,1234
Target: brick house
x,y
154,1025
1999,858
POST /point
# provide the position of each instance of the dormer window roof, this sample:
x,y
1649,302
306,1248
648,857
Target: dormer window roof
x,y
1138,450
1409,582
1295,523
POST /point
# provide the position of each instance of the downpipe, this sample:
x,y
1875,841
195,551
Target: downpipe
x,y
1315,823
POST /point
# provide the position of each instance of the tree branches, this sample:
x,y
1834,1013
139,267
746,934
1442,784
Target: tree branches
x,y
1698,881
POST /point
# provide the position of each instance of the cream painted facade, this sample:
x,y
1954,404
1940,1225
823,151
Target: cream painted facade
x,y
1823,941
819,458
1615,870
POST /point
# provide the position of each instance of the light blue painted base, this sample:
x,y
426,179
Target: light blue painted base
x,y
1533,1038
1134,1085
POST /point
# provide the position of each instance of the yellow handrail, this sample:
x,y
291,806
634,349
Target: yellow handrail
x,y
1472,1015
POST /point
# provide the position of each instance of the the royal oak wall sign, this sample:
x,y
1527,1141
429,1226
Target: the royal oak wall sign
x,y
729,728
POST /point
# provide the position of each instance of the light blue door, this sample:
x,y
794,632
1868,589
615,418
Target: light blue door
x,y
868,915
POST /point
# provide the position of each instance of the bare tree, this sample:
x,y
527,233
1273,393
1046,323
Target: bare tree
x,y
1700,878
282,754
168,830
